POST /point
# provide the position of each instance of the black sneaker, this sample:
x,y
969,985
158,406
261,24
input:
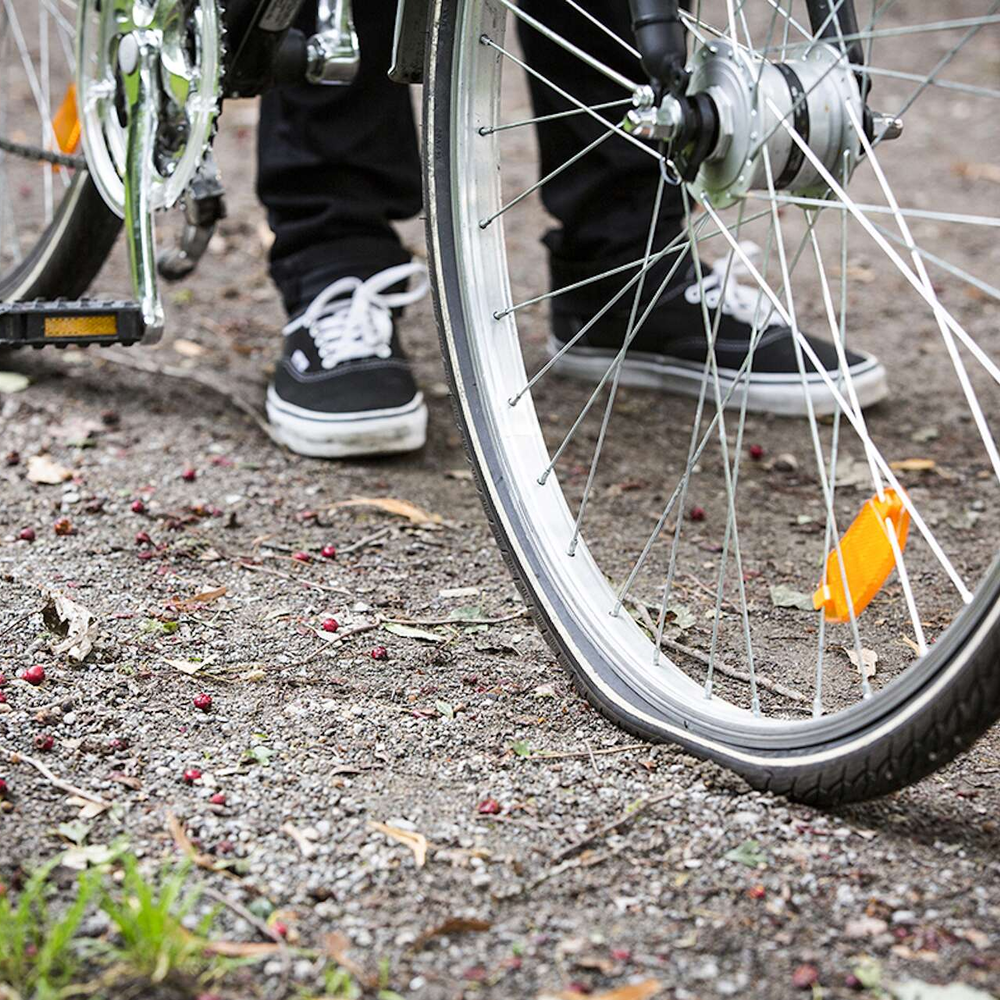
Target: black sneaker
x,y
344,387
669,351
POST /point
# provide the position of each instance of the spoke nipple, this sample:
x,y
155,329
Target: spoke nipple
x,y
543,478
484,223
755,706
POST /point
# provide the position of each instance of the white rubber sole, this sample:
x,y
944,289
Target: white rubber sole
x,y
768,393
348,435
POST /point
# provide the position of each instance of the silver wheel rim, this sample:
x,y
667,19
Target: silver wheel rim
x,y
490,313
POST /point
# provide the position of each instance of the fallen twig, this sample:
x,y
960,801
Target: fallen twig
x,y
367,540
627,817
203,861
17,621
293,579
523,613
53,779
171,371
588,752
738,675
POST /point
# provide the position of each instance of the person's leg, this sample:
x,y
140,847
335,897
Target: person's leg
x,y
336,166
604,206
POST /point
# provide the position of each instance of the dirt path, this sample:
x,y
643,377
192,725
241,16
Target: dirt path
x,y
707,888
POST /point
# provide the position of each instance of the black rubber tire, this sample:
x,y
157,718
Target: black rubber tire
x,y
68,255
949,699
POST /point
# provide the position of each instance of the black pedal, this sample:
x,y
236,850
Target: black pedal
x,y
64,322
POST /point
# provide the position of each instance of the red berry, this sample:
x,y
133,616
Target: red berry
x,y
621,954
203,701
218,799
191,775
756,452
329,552
805,977
489,807
279,928
64,527
146,554
43,741
34,675
302,557
142,538
118,743
3,680
697,514
3,698
330,625
380,653
138,507
189,475
26,534
756,892
4,789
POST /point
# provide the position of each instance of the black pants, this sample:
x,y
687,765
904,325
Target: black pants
x,y
338,164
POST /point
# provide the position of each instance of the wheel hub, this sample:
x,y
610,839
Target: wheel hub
x,y
185,37
810,90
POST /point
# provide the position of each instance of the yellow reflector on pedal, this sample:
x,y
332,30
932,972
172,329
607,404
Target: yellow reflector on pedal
x,y
81,326
66,123
868,558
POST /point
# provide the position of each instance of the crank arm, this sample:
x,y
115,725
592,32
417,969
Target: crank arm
x,y
138,61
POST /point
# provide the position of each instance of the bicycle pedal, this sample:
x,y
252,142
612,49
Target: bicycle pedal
x,y
63,322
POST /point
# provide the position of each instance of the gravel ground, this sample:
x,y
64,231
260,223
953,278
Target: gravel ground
x,y
555,856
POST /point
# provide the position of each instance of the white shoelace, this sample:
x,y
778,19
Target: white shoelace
x,y
739,301
352,319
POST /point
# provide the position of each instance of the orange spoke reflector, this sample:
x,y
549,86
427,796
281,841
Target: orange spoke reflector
x,y
66,123
868,558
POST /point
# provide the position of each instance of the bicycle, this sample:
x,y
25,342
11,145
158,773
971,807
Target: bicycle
x,y
752,111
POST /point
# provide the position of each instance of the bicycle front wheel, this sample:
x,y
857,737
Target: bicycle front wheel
x,y
671,547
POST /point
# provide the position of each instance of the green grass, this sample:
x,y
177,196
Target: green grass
x,y
146,951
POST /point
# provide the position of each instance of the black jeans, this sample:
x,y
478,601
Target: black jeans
x,y
338,164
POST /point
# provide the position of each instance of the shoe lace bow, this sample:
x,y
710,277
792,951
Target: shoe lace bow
x,y
744,303
352,319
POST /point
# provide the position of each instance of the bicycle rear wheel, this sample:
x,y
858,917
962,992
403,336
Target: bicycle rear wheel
x,y
55,229
702,631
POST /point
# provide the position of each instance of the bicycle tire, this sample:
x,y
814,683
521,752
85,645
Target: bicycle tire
x,y
71,250
930,715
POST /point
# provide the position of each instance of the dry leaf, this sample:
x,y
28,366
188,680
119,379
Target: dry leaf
x,y
72,621
416,842
869,659
302,840
337,946
400,508
13,382
913,465
88,807
188,348
41,469
462,475
452,926
645,990
978,171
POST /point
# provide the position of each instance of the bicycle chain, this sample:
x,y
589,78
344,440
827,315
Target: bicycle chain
x,y
42,155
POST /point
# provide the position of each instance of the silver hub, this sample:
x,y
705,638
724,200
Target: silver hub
x,y
810,91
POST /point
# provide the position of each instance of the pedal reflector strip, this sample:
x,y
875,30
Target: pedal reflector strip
x,y
66,122
868,558
81,326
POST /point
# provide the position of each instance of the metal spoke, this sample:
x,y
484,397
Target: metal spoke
x,y
911,213
486,40
584,57
490,130
913,29
542,181
673,247
619,364
603,27
612,368
897,74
